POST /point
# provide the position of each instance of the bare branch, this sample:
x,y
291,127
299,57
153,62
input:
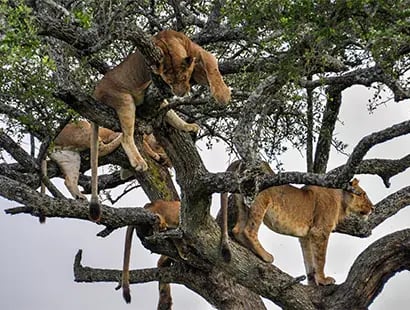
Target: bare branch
x,y
384,168
372,269
330,116
361,76
20,155
219,288
37,204
364,146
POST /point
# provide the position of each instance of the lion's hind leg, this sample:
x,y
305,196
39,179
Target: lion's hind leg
x,y
69,164
248,237
308,260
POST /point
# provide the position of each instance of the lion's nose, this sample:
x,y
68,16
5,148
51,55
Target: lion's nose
x,y
180,91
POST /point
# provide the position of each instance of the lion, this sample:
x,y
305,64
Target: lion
x,y
310,213
155,150
238,167
123,88
75,138
168,216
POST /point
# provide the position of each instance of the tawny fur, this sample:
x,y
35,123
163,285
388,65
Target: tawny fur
x,y
168,216
238,167
155,150
73,139
310,213
123,88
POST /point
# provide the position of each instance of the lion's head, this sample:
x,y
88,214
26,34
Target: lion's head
x,y
177,64
359,203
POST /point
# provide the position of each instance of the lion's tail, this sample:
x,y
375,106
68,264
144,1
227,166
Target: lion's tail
x,y
125,281
225,249
94,208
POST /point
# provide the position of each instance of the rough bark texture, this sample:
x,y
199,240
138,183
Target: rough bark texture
x,y
194,246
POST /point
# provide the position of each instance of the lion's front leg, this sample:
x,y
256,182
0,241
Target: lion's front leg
x,y
126,114
319,240
175,121
219,90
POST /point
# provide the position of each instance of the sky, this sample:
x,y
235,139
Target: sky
x,y
36,261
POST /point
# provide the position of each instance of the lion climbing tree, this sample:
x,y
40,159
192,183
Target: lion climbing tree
x,y
288,64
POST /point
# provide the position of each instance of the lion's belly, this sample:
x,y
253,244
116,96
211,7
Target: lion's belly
x,y
286,224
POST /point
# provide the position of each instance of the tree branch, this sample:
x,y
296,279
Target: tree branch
x,y
330,115
371,270
364,146
38,204
216,288
20,155
384,168
361,76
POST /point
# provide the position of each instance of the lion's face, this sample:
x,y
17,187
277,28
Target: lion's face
x,y
360,203
176,71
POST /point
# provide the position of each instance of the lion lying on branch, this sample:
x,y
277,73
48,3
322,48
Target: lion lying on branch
x,y
74,138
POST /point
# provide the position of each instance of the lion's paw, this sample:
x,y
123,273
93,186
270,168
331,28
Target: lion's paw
x,y
141,166
222,94
324,280
192,127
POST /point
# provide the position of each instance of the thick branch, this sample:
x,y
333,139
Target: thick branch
x,y
384,168
334,101
38,204
371,270
216,288
368,142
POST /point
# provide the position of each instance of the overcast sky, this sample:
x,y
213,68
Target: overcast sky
x,y
36,260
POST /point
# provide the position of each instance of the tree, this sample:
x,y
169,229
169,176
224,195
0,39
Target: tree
x,y
288,63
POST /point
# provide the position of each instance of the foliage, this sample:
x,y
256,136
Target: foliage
x,y
288,63
26,78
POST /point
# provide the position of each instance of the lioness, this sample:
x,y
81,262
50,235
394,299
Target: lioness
x,y
168,214
123,88
310,213
75,138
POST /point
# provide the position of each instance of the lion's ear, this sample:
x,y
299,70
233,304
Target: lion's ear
x,y
158,68
187,61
